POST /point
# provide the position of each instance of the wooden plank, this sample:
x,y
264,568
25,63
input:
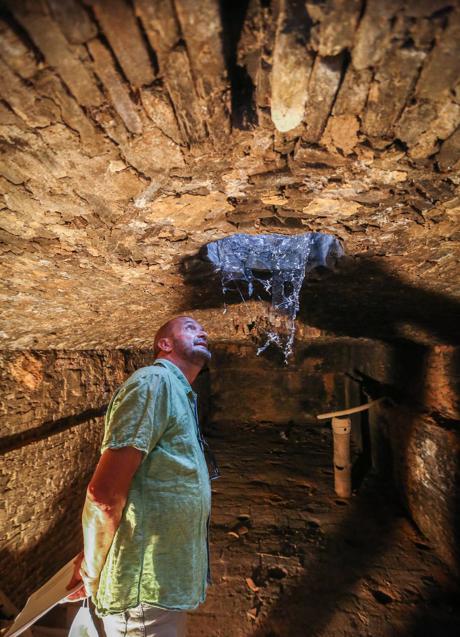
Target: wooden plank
x,y
24,101
159,109
119,24
14,52
92,140
201,26
424,8
202,29
352,96
163,31
424,124
73,20
351,410
251,39
292,65
442,69
337,20
181,89
448,157
373,35
50,40
307,156
322,88
392,85
109,120
36,7
119,95
161,26
248,67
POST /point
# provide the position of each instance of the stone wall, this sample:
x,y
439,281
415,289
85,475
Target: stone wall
x,y
422,434
250,388
51,408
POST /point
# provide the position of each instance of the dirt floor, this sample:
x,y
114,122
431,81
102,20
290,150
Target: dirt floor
x,y
289,558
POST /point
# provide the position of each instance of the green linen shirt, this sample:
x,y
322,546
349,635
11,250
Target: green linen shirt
x,y
159,554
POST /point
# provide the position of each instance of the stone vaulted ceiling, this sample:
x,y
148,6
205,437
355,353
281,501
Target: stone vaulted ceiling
x,y
134,132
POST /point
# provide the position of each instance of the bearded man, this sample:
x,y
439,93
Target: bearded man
x,y
146,516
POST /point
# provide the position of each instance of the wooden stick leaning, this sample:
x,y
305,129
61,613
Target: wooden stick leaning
x,y
351,410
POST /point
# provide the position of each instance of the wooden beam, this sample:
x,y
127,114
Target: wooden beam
x,y
337,20
202,30
50,85
179,116
352,96
350,410
248,67
74,21
163,31
425,8
119,94
250,43
181,88
425,124
48,37
292,64
392,85
373,35
201,26
160,111
161,26
14,52
24,101
449,156
441,71
119,25
322,88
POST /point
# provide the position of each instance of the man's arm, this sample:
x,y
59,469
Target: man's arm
x,y
105,500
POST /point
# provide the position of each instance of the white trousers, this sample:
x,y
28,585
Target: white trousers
x,y
146,621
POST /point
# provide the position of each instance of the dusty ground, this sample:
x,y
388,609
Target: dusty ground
x,y
290,559
298,561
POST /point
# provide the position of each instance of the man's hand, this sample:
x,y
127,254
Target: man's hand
x,y
80,593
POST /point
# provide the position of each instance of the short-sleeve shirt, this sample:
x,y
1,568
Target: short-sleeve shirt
x,y
159,554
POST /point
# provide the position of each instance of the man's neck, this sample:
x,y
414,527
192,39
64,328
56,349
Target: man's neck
x,y
189,370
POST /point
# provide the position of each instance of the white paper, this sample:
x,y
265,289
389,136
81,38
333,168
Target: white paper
x,y
40,602
83,625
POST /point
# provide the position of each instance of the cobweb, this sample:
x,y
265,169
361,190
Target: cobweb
x,y
279,263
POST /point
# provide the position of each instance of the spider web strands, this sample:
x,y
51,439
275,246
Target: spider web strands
x,y
285,260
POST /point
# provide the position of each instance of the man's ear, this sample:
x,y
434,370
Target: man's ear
x,y
165,344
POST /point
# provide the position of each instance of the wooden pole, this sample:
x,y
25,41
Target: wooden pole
x,y
352,410
341,430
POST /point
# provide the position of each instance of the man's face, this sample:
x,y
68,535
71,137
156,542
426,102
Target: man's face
x,y
190,341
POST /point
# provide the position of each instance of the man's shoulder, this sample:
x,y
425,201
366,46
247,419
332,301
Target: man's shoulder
x,y
150,373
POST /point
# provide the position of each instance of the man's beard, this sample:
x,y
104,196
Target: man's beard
x,y
199,354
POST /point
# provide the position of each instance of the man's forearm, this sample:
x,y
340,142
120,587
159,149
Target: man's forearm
x,y
105,500
100,522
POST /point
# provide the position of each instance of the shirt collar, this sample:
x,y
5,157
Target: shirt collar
x,y
178,374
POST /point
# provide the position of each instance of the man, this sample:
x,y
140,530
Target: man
x,y
146,514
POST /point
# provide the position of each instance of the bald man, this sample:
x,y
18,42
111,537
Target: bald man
x,y
146,515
